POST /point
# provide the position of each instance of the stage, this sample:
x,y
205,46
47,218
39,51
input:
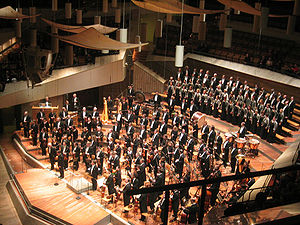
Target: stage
x,y
39,184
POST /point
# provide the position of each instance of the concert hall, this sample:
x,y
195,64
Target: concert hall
x,y
136,112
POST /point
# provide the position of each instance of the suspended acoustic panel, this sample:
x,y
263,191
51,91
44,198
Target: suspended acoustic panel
x,y
33,37
93,39
244,7
69,55
223,22
179,55
172,7
78,29
9,13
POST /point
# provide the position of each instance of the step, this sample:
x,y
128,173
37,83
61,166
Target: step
x,y
297,105
287,130
280,138
293,124
296,118
296,111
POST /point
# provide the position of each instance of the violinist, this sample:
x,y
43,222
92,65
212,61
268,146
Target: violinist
x,y
100,159
93,170
192,211
52,154
60,163
34,132
126,198
175,204
43,140
110,185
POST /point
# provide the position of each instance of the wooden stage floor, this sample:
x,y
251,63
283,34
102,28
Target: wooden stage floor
x,y
50,194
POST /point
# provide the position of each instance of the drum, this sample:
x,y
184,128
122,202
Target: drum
x,y
229,136
240,142
253,144
199,118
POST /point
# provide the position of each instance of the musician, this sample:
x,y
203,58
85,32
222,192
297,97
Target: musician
x,y
171,104
130,131
34,132
69,121
141,173
215,187
143,133
93,170
190,147
43,138
130,95
144,121
272,130
205,131
291,107
100,158
175,204
184,106
52,118
119,120
63,114
110,106
59,124
61,164
163,129
242,131
75,102
219,142
83,117
233,159
52,154
110,185
85,135
211,137
192,211
185,124
182,138
40,116
155,138
156,100
143,202
179,163
126,198
226,148
136,112
65,150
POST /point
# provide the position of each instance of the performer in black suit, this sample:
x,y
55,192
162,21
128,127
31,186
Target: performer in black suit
x,y
61,164
192,211
110,185
175,204
94,173
43,140
52,154
126,198
143,204
242,131
34,133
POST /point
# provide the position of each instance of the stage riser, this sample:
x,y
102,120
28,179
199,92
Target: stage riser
x,y
27,158
21,209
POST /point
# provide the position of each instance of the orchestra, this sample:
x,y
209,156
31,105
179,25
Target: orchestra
x,y
159,143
